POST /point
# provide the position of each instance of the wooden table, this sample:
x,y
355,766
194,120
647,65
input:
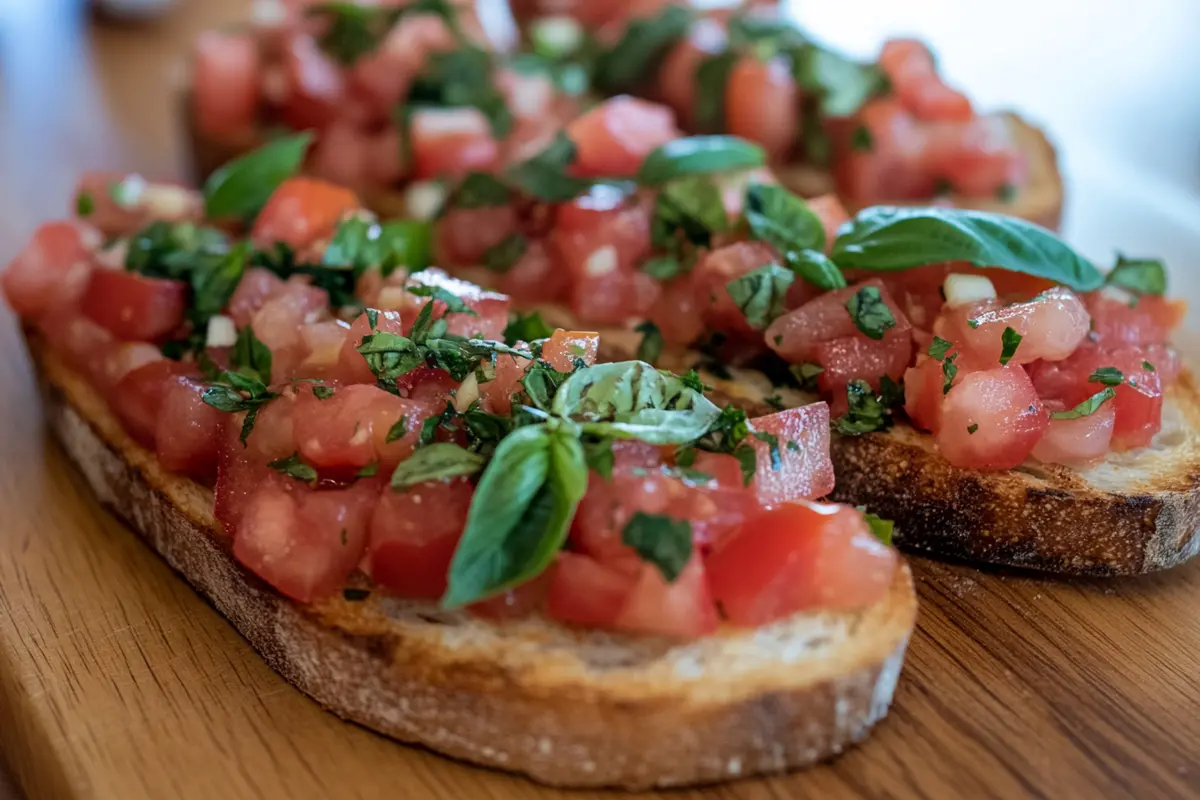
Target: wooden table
x,y
116,680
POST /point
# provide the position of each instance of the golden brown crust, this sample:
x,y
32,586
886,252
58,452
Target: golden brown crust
x,y
570,708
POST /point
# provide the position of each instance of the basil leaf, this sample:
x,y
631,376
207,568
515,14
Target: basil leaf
x,y
1087,407
632,400
865,414
250,356
634,59
454,303
782,220
462,78
526,328
816,268
949,373
434,462
501,256
478,190
390,355
224,398
765,35
842,85
1139,275
519,515
760,294
214,282
1109,376
712,79
691,208
85,204
544,176
699,155
888,238
398,429
242,187
880,527
870,314
662,267
353,31
939,347
294,467
541,384
651,346
663,541
1010,340
806,375
323,392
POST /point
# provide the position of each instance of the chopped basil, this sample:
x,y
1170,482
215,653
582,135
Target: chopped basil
x,y
368,471
508,251
772,442
454,304
660,540
760,294
891,394
478,190
360,244
544,176
1006,193
390,355
663,267
1087,407
519,514
865,413
880,527
782,219
437,461
939,347
973,427
634,59
241,187
234,392
949,373
1139,275
398,430
889,238
1010,339
689,209
1109,376
526,328
295,467
651,346
250,356
842,85
712,78
1146,365
806,374
861,140
352,30
85,204
461,78
699,155
323,392
870,314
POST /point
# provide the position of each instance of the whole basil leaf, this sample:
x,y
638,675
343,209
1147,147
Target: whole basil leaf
x,y
633,400
760,294
816,268
889,238
241,187
434,462
699,155
520,513
782,220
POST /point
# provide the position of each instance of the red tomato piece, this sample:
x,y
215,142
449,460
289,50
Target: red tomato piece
x,y
314,85
302,211
189,433
351,428
600,234
339,156
78,341
762,104
677,313
535,277
414,534
564,348
252,291
279,324
923,394
976,158
352,366
305,543
490,316
832,213
893,167
463,235
133,307
516,603
1051,326
800,557
710,281
226,76
323,343
991,420
450,142
496,394
585,592
677,75
617,135
795,464
910,68
614,298
52,270
683,607
1076,441
122,358
1146,320
137,398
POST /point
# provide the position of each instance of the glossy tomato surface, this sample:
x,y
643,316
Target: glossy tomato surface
x,y
133,307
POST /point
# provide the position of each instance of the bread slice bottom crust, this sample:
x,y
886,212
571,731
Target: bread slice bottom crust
x,y
565,707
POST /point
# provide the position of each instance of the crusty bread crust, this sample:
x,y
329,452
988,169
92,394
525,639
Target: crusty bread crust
x,y
566,707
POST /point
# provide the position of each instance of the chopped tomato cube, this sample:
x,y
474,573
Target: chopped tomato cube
x,y
1144,321
81,343
615,136
314,85
683,607
463,236
252,291
137,398
352,365
762,104
226,76
564,348
1051,326
488,314
301,212
991,419
793,455
52,270
350,429
710,281
133,307
614,298
535,277
413,536
189,432
450,142
583,591
1076,441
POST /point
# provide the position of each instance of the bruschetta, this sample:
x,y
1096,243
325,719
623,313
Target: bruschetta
x,y
444,521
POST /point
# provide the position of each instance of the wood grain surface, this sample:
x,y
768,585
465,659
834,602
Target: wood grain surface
x,y
117,681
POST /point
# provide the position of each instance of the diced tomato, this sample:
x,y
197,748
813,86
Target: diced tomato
x,y
535,277
677,314
463,235
795,464
910,68
496,394
583,591
515,603
923,385
340,154
615,136
677,75
831,212
302,211
385,157
858,357
428,385
800,557
893,166
280,322
564,348
976,158
710,281
1051,326
133,307
991,419
225,84
189,433
489,315
592,238
315,85
137,398
252,291
122,358
385,75
305,543
1143,321
351,428
52,271
81,343
450,142
413,536
273,435
762,104
683,607
323,343
352,365
1077,441
614,298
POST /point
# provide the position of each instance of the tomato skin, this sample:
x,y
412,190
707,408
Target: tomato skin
x,y
805,471
831,212
414,534
617,135
894,168
614,298
323,343
225,84
137,398
515,603
762,104
301,212
799,557
51,271
133,307
279,324
303,542
600,234
352,365
681,608
677,313
923,384
81,343
189,432
535,277
1005,413
451,142
585,592
977,158
349,430
910,67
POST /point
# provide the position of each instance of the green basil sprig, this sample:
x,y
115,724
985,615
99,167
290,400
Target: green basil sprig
x,y
241,187
890,238
699,155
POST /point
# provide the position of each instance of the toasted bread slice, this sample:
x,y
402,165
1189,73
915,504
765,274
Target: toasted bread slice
x,y
1039,201
1133,512
566,707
